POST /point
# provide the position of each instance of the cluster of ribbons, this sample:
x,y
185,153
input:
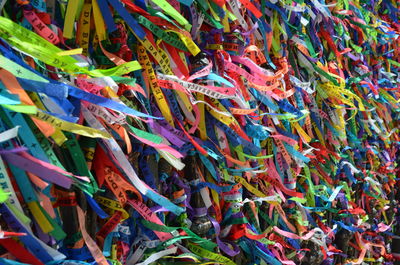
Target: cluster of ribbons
x,y
199,132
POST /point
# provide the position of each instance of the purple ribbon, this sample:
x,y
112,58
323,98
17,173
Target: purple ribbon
x,y
38,170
